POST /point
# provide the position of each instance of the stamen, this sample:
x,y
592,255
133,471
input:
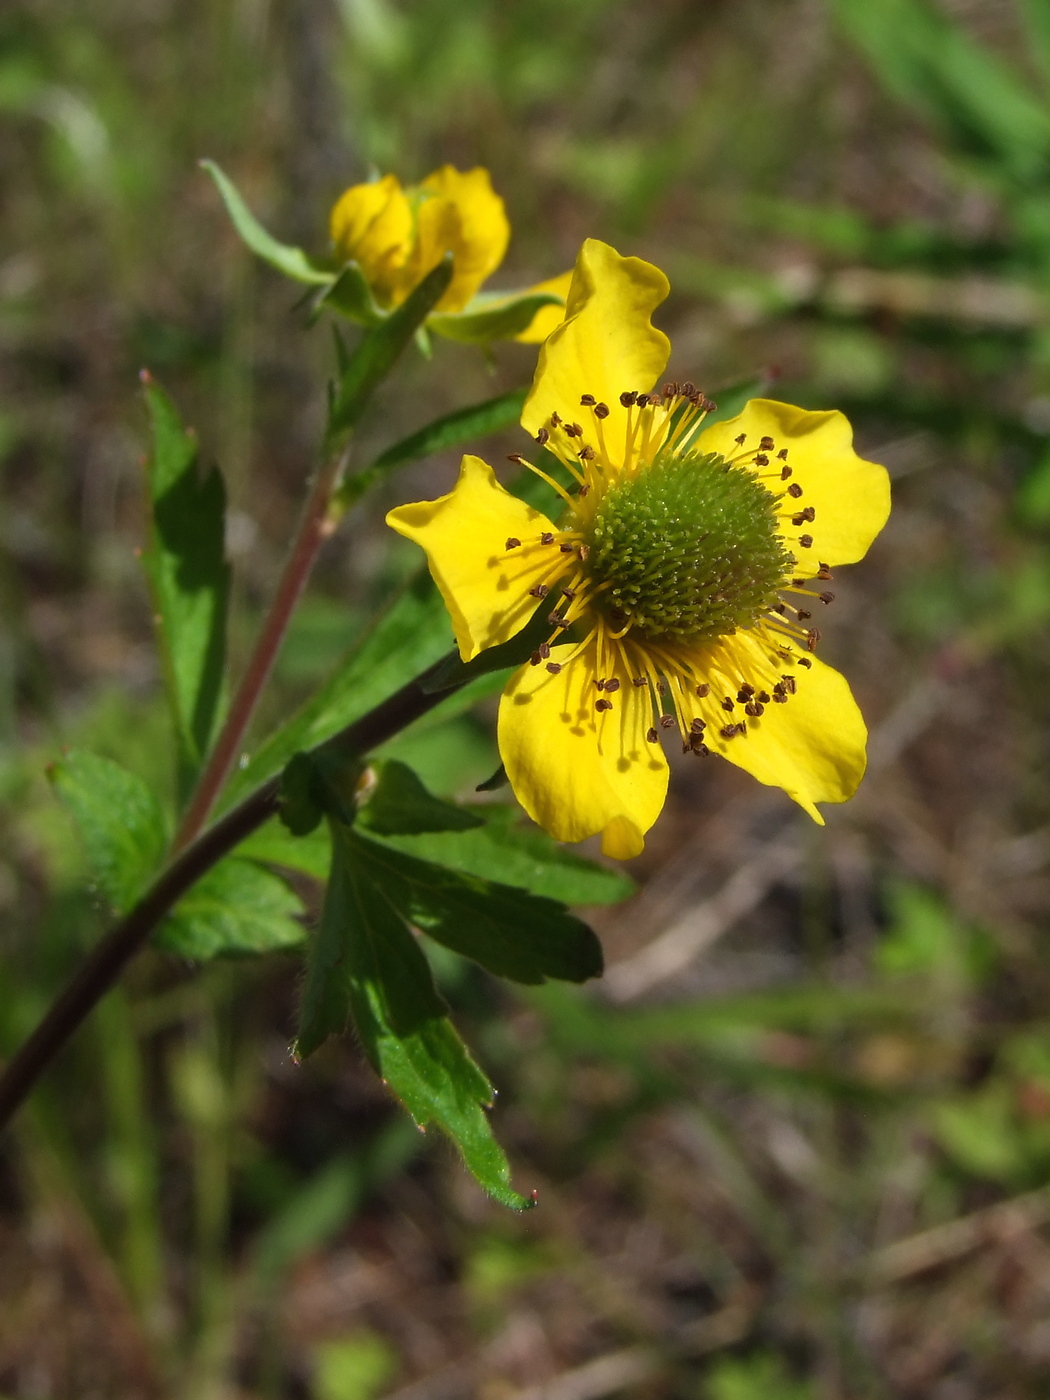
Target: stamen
x,y
603,705
806,541
543,437
548,538
651,735
703,691
554,667
826,598
540,591
794,489
512,543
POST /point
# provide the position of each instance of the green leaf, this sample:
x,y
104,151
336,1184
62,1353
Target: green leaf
x,y
365,962
351,296
380,347
188,576
120,821
507,850
274,844
509,931
293,262
412,634
400,804
501,320
512,653
465,425
237,907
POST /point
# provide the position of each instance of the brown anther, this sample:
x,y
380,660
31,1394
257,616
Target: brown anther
x,y
667,721
517,457
569,593
826,598
703,690
540,591
577,431
554,420
780,608
727,702
513,543
746,691
651,735
806,541
601,410
627,398
779,698
584,489
640,680
803,616
763,697
671,390
697,727
761,460
612,685
688,388
535,659
653,399
661,686
767,444
782,454
797,582
554,667
543,437
823,571
807,513
728,731
785,472
588,400
603,705
812,638
701,750
795,490
754,708
805,661
599,684
546,537
740,440
583,550
554,620
789,684
544,650
586,453
780,688
566,548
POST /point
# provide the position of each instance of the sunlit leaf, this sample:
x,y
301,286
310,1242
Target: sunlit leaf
x,y
401,805
500,320
237,907
293,262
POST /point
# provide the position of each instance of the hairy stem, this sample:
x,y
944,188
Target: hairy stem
x,y
108,959
315,526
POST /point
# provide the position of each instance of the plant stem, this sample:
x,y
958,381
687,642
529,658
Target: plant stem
x,y
315,526
108,959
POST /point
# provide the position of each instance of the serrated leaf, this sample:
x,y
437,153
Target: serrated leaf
x,y
188,576
400,804
455,429
364,962
293,262
509,931
379,349
480,324
507,850
412,634
120,822
237,907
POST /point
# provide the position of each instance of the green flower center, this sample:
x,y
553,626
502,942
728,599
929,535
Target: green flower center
x,y
689,549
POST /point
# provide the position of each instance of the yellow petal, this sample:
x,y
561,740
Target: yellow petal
x,y
813,746
577,771
460,213
548,318
605,345
372,224
485,586
851,497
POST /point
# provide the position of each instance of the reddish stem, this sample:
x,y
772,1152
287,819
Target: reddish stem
x,y
314,528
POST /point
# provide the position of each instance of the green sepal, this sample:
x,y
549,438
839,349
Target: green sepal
x,y
293,262
498,780
380,347
119,819
481,323
400,805
316,785
463,426
351,296
515,652
237,908
363,963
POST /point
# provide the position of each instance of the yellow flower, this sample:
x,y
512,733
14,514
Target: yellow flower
x,y
397,235
679,582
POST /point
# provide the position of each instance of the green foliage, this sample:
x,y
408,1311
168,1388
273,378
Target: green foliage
x,y
236,908
759,1377
363,962
401,805
119,819
353,1368
188,576
293,262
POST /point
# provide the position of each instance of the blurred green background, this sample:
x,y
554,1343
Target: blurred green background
x,y
797,1145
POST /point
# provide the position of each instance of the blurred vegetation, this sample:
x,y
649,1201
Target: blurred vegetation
x,y
807,1155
